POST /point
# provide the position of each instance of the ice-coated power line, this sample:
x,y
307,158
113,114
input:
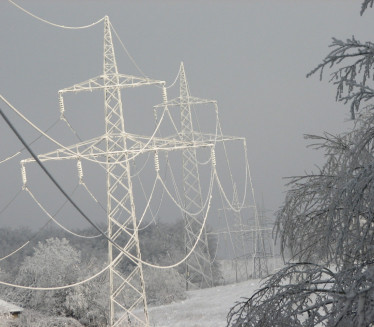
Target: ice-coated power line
x,y
54,24
36,159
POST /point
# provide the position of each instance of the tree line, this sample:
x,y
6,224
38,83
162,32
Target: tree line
x,y
55,258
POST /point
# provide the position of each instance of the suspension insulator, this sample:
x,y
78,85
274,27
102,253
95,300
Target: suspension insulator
x,y
164,95
213,156
24,177
157,162
61,103
155,114
80,170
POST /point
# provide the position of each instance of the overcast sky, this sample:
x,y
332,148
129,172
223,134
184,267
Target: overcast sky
x,y
251,56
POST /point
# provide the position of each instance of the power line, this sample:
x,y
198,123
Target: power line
x,y
32,142
54,181
54,24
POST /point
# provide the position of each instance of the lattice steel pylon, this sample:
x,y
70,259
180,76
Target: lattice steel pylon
x,y
198,271
260,258
113,151
120,199
240,242
199,265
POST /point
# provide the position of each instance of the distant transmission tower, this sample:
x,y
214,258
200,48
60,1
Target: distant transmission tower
x,y
114,151
260,257
240,242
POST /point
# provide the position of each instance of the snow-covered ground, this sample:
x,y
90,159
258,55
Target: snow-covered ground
x,y
202,308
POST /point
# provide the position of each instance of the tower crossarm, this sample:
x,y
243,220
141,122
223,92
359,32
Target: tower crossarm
x,y
209,137
94,149
124,81
190,100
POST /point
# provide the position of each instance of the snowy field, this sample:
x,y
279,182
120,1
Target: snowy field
x,y
202,308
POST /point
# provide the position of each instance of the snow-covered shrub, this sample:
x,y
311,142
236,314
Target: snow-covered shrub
x,y
56,263
89,302
30,318
164,286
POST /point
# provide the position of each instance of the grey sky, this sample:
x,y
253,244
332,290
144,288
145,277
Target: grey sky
x,y
251,56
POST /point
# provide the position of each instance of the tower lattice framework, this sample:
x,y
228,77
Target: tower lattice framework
x,y
126,290
114,151
199,265
260,258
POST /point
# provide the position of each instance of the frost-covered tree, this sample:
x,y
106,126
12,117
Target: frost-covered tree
x,y
327,225
327,220
56,263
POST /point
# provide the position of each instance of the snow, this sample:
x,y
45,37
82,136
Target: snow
x,y
6,307
202,308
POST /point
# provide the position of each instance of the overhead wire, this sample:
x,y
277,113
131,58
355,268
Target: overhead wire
x,y
54,24
31,143
33,125
36,234
153,220
55,182
146,207
175,80
11,201
127,52
63,118
228,162
189,253
55,288
77,154
134,62
10,157
54,220
228,227
40,229
139,171
15,251
180,206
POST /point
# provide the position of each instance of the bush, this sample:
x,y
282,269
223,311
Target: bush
x,y
30,318
164,286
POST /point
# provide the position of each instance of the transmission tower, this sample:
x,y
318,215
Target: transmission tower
x,y
260,258
198,270
243,237
240,242
114,151
198,266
